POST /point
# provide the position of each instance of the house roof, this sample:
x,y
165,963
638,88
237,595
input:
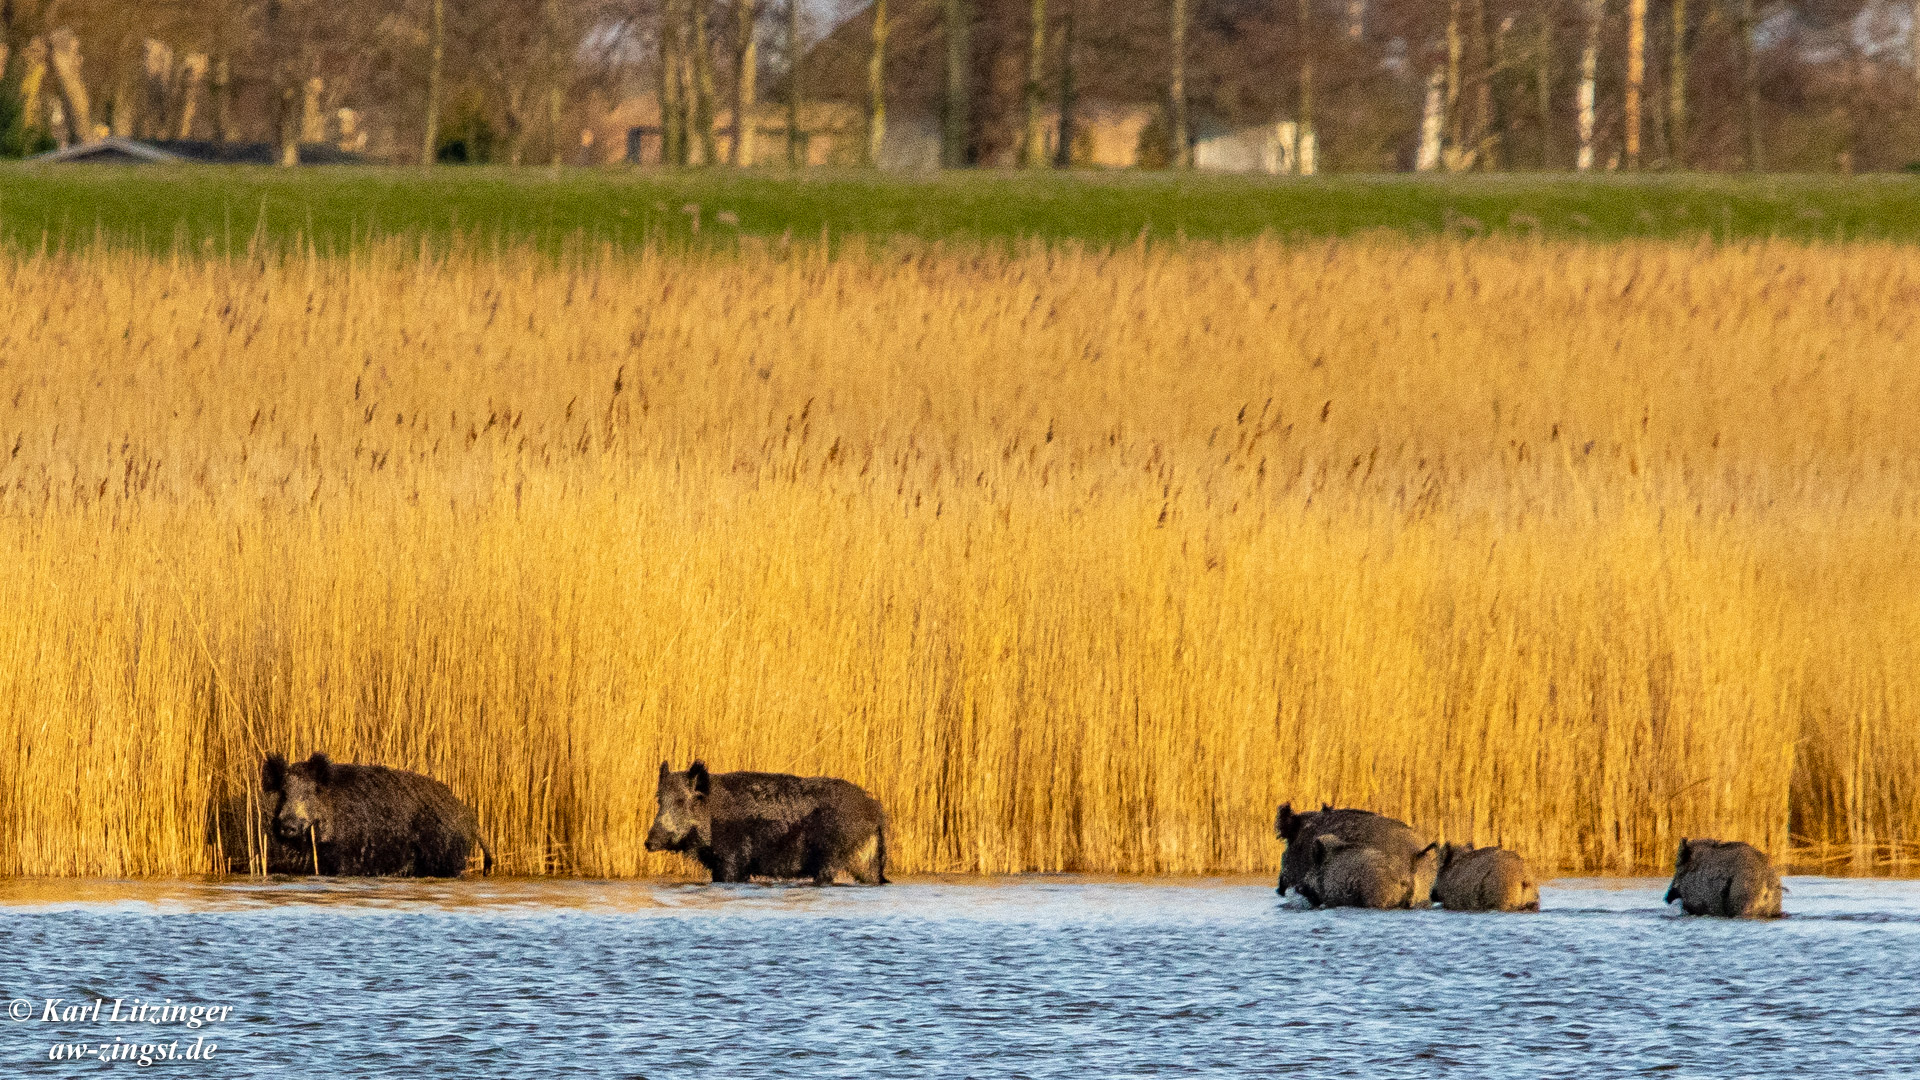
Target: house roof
x,y
117,150
113,150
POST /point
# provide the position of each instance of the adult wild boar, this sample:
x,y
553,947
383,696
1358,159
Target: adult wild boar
x,y
1364,827
370,820
743,825
1721,877
1347,874
1484,879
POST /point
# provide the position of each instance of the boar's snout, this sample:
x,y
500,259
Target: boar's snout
x,y
658,840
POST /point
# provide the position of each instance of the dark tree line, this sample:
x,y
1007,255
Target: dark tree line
x,y
1354,84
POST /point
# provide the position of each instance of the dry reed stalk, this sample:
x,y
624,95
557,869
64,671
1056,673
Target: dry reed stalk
x,y
1078,560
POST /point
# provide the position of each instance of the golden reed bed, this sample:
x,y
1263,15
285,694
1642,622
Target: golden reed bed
x,y
1079,561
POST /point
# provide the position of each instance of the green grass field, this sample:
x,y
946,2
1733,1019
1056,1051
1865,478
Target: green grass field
x,y
223,208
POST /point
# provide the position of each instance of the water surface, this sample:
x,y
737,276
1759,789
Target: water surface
x,y
1027,977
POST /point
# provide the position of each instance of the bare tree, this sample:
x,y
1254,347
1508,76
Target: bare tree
x,y
1636,76
746,64
1069,92
796,137
1589,83
703,85
1182,143
877,85
1677,87
1033,148
436,59
956,125
1749,87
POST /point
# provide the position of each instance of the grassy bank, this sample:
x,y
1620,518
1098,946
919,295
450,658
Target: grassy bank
x,y
1078,561
224,209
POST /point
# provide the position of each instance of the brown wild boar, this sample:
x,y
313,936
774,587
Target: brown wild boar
x,y
1721,877
369,820
1484,879
743,825
1362,827
1355,875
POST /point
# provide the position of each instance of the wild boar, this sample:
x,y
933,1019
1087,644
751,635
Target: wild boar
x,y
743,825
1483,879
1362,827
370,820
1721,877
1347,874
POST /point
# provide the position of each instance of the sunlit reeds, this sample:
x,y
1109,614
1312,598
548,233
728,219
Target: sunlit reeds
x,y
1079,560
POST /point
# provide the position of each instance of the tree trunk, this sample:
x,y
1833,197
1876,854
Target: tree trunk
x,y
1636,76
436,55
1069,93
956,126
1433,122
1177,89
64,58
1455,121
193,76
1489,127
703,86
222,101
287,126
746,71
1543,86
1033,149
796,137
877,86
32,66
313,122
1913,43
673,133
1677,88
556,88
1589,78
157,119
1750,89
1303,133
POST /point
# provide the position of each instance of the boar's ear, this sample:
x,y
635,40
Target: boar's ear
x,y
1326,808
273,773
665,771
698,777
1426,852
320,768
1284,825
1324,845
1686,852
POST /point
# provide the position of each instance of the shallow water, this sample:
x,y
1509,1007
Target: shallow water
x,y
1028,977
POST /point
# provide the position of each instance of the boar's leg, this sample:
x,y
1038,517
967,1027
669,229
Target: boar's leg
x,y
729,869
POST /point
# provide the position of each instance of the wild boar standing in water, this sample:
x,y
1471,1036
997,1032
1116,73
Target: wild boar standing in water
x,y
1364,827
1721,877
370,820
1484,879
743,825
1355,875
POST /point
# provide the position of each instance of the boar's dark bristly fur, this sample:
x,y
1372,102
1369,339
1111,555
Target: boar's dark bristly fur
x,y
744,825
369,820
1484,879
1363,827
1722,877
1356,875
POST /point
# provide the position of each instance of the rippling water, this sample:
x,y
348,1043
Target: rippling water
x,y
1001,978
